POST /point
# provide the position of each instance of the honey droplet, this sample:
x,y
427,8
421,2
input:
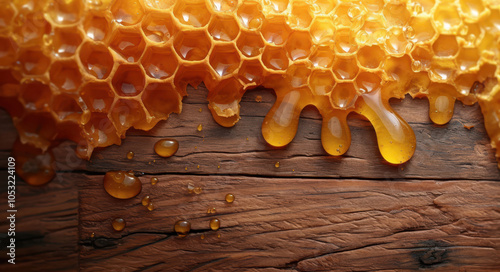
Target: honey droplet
x,y
186,168
198,166
146,200
121,184
32,165
182,228
202,236
258,98
92,236
218,166
277,164
229,198
166,147
218,235
200,127
200,110
118,224
211,210
154,180
215,224
190,187
197,190
130,155
151,206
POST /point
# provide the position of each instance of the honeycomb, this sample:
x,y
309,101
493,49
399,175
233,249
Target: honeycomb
x,y
88,70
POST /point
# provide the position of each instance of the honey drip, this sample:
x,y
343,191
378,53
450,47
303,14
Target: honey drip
x,y
121,184
33,165
90,70
145,201
229,198
182,228
214,224
118,224
166,147
154,180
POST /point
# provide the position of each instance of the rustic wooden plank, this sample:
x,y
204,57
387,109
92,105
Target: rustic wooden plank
x,y
294,224
443,152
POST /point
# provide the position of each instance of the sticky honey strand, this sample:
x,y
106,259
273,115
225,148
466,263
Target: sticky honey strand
x,y
90,70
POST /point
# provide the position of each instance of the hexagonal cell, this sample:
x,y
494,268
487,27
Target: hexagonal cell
x,y
96,59
298,74
325,6
442,70
7,52
30,28
445,46
422,29
192,45
398,69
464,83
251,71
30,126
164,4
223,28
7,14
321,82
396,42
345,41
65,76
127,113
349,14
373,5
371,56
65,107
367,82
98,96
159,62
275,58
492,22
322,30
96,27
65,41
250,14
33,62
35,95
224,5
322,56
224,59
486,71
194,13
396,14
127,12
468,58
471,9
99,130
158,27
423,6
299,45
343,96
423,55
128,80
345,69
275,30
161,99
128,44
278,5
250,44
65,11
375,25
446,18
302,14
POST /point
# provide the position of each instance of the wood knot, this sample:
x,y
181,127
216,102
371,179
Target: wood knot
x,y
433,256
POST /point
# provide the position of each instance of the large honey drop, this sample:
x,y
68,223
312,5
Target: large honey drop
x,y
214,224
121,184
230,198
118,224
182,228
166,147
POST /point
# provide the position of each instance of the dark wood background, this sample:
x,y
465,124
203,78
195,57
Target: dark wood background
x,y
440,211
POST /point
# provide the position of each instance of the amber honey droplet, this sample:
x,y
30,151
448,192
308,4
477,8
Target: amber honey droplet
x,y
92,235
190,187
151,206
154,180
197,190
130,155
258,98
277,164
182,228
202,236
229,198
118,224
166,147
121,184
200,127
145,201
215,224
211,210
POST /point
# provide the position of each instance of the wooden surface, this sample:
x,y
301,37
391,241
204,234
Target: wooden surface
x,y
440,211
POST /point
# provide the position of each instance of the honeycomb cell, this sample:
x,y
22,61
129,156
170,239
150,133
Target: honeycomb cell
x,y
322,56
66,108
345,68
423,29
35,95
298,45
274,58
128,80
251,71
224,101
65,11
396,14
396,42
373,5
224,5
96,60
471,9
322,30
224,59
275,30
161,99
159,4
33,62
371,56
250,44
424,56
278,5
97,96
298,74
38,128
100,132
96,27
367,82
250,14
445,46
7,14
343,96
442,70
464,82
423,6
127,113
128,44
65,41
65,76
29,29
302,14
33,165
223,28
345,42
446,18
158,27
127,12
324,7
7,52
467,59
321,82
159,62
193,45
194,13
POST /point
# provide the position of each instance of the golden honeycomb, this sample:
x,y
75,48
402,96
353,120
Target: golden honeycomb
x,y
88,70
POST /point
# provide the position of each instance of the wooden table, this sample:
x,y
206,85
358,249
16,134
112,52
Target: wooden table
x,y
440,211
